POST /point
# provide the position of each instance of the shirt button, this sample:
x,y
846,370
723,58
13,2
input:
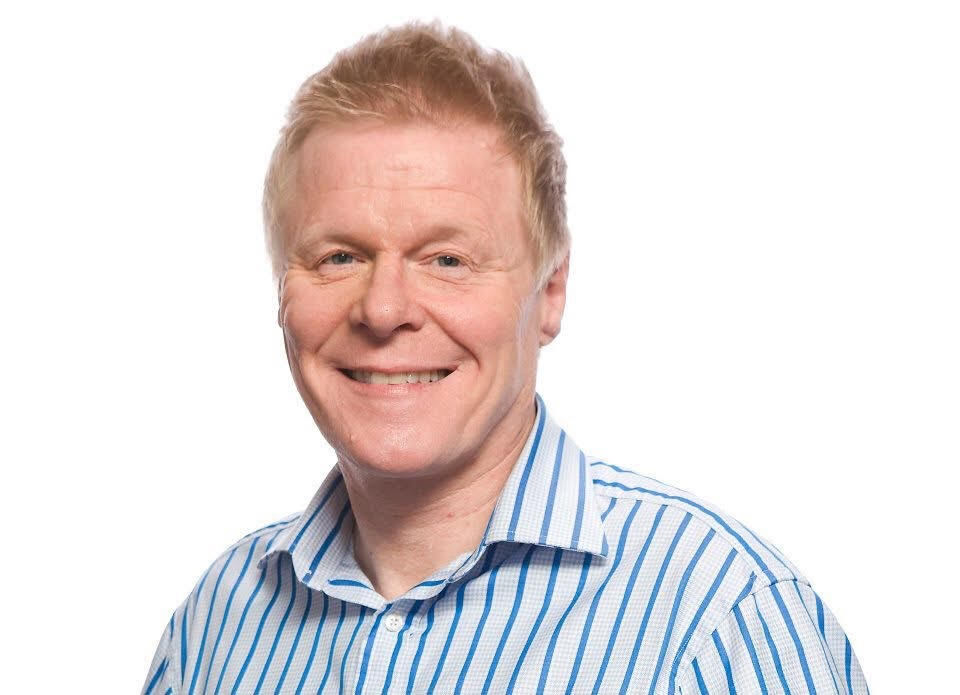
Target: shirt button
x,y
393,622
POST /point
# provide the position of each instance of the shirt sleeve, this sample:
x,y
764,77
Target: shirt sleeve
x,y
160,680
779,639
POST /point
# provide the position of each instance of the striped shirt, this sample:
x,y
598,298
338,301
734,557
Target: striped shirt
x,y
589,578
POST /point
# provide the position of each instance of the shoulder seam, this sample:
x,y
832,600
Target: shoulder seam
x,y
712,519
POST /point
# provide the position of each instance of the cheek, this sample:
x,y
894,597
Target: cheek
x,y
310,316
485,321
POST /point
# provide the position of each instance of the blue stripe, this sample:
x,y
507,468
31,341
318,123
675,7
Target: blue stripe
x,y
585,634
346,653
396,648
745,633
323,502
206,623
226,611
626,599
518,503
725,661
183,626
236,634
827,655
296,638
368,647
610,506
412,677
333,645
259,632
283,622
716,517
347,582
820,616
156,677
326,543
676,602
746,589
458,611
773,651
700,683
432,582
584,571
695,622
517,599
847,660
795,637
552,495
183,642
547,596
616,468
654,592
488,602
551,648
316,640
581,501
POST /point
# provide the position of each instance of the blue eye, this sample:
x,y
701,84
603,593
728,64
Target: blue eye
x,y
340,258
448,261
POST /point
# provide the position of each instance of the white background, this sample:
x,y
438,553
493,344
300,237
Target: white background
x,y
763,301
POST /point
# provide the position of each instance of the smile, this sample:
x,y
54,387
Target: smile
x,y
368,377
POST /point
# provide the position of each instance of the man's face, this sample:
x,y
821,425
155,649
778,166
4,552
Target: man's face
x,y
408,260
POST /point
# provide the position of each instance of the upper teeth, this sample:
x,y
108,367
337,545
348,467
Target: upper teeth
x,y
397,378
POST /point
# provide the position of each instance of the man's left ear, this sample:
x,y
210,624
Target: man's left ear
x,y
553,296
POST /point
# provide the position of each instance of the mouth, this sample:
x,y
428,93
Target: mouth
x,y
370,377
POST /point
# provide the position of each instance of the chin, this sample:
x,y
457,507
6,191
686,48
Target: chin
x,y
396,453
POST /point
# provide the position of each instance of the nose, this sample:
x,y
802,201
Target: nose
x,y
387,303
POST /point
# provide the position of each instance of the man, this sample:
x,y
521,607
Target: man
x,y
415,216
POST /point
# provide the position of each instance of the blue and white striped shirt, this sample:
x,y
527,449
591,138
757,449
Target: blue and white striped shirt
x,y
589,578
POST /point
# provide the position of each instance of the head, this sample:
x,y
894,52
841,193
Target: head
x,y
414,211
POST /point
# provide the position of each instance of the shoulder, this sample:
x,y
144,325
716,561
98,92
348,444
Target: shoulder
x,y
705,563
229,578
752,551
241,557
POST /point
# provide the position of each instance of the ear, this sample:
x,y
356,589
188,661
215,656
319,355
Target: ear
x,y
553,297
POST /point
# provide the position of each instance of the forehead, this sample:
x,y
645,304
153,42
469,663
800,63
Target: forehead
x,y
414,166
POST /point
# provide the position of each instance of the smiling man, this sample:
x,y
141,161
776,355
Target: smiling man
x,y
415,217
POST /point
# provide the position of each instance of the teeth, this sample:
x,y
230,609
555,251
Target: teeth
x,y
397,378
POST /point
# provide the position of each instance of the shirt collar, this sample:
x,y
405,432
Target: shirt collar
x,y
548,500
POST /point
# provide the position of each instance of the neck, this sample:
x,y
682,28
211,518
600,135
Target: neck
x,y
407,529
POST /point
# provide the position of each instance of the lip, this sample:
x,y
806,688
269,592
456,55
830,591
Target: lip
x,y
392,389
394,369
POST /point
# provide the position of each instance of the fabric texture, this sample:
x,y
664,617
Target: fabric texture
x,y
590,578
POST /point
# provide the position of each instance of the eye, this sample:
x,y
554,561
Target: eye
x,y
448,261
338,258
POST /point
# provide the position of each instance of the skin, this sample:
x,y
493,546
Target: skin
x,y
407,250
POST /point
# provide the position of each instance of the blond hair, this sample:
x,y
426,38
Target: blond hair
x,y
432,73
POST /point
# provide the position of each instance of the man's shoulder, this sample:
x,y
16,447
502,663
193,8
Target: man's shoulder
x,y
759,554
238,559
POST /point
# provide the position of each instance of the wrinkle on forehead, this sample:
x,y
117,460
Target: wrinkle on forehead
x,y
340,170
401,156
